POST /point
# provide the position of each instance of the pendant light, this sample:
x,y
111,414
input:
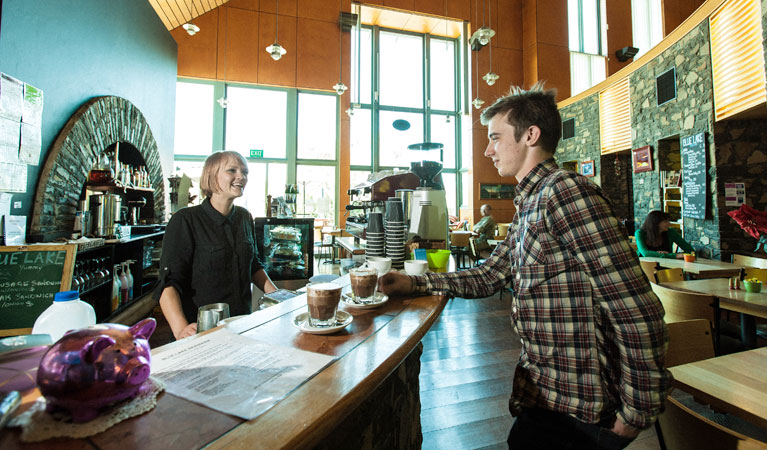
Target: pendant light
x,y
276,50
477,102
340,87
490,77
189,27
223,102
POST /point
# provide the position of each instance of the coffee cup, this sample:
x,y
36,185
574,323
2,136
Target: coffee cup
x,y
363,281
416,267
208,316
380,263
322,301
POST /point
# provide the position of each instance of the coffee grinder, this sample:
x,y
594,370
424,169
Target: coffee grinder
x,y
428,211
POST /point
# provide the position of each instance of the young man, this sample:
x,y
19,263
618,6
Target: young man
x,y
591,372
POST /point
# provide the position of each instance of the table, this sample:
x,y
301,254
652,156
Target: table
x,y
702,267
374,350
735,383
347,243
333,233
745,303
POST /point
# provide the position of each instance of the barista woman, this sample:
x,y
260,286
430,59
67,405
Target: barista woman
x,y
209,250
655,238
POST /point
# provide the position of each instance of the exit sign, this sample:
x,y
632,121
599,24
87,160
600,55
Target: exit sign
x,y
256,153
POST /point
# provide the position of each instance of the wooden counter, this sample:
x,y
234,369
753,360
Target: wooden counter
x,y
347,243
369,351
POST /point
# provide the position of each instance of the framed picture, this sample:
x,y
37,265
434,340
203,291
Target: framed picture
x,y
642,159
587,168
496,191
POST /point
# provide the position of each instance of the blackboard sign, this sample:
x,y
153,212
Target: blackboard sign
x,y
29,278
694,176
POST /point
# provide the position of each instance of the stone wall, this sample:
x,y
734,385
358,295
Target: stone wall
x,y
585,144
741,151
691,112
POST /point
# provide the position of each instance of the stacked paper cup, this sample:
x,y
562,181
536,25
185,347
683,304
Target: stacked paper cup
x,y
395,232
375,235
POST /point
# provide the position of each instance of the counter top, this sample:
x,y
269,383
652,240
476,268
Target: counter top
x,y
367,351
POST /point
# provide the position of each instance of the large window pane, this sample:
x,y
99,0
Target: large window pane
x,y
442,65
358,177
573,25
365,66
465,188
443,132
590,19
448,179
316,126
192,169
278,178
317,199
254,197
194,119
393,142
256,119
401,71
361,138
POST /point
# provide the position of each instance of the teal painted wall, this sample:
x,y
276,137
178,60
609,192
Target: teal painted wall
x,y
78,49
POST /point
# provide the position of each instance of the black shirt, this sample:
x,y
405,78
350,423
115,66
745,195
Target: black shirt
x,y
209,258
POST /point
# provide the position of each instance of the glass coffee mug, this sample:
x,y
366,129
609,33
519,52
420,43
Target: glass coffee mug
x,y
322,301
363,281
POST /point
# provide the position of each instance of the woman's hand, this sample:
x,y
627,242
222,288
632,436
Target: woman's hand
x,y
189,330
680,256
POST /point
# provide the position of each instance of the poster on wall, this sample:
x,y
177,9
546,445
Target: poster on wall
x,y
734,194
11,97
693,149
13,177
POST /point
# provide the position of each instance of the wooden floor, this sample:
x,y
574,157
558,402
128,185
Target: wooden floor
x,y
466,378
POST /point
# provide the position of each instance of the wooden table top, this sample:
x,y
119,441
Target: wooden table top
x,y
701,266
735,383
368,351
347,243
739,300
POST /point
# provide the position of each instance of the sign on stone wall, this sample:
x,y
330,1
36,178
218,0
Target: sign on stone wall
x,y
693,150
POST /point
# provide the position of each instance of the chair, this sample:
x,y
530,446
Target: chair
x,y
667,275
749,261
459,247
503,230
689,341
474,252
759,274
684,305
648,267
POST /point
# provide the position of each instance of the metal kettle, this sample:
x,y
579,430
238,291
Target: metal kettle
x,y
106,209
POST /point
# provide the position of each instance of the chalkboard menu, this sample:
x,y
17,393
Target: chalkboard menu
x,y
694,176
29,278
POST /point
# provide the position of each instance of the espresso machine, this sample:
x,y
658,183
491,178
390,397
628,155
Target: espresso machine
x,y
371,196
428,209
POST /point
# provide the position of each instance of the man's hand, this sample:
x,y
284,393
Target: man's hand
x,y
621,429
395,283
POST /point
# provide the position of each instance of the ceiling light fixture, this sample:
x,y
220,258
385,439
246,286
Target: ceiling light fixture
x,y
276,51
223,102
490,77
340,87
477,102
191,28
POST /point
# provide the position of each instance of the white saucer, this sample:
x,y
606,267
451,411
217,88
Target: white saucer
x,y
301,321
378,299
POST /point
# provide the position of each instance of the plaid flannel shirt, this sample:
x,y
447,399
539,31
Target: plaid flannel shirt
x,y
592,330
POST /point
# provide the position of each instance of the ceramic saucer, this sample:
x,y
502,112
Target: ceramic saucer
x,y
378,299
301,321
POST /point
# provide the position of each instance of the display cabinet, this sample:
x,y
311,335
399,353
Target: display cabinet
x,y
286,247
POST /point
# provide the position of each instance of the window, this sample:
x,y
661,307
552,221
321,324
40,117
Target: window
x,y
316,197
646,24
252,126
588,43
194,119
317,126
410,77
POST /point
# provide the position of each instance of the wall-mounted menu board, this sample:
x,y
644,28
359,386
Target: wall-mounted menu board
x,y
693,150
29,277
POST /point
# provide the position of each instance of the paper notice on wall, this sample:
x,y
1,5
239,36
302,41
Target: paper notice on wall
x,y
234,374
13,177
9,140
734,194
14,229
32,108
31,143
11,97
5,208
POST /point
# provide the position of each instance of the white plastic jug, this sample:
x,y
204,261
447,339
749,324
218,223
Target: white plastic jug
x,y
66,313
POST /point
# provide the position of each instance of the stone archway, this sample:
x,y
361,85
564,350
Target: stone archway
x,y
97,124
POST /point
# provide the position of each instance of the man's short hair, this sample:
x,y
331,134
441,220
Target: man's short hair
x,y
523,109
213,164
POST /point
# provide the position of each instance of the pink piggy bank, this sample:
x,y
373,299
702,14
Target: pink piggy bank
x,y
91,368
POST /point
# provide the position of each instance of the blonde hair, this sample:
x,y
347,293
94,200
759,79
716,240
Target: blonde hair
x,y
213,164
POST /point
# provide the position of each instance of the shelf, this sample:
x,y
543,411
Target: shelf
x,y
103,187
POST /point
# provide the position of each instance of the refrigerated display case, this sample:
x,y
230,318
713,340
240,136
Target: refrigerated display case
x,y
286,247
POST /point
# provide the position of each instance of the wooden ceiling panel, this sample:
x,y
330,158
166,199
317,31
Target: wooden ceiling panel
x,y
175,13
406,21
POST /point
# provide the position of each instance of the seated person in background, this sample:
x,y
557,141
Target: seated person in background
x,y
485,228
455,223
655,238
